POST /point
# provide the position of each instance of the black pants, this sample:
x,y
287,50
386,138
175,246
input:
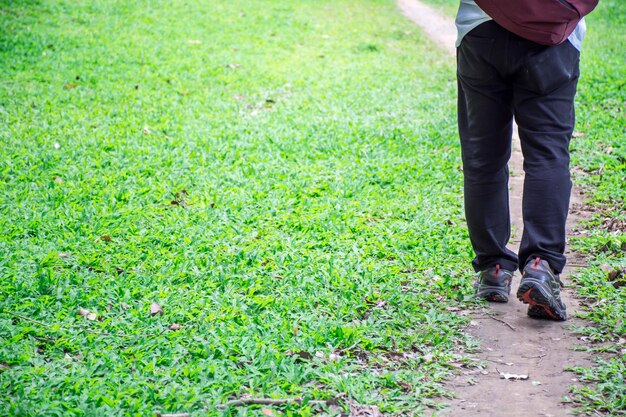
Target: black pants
x,y
502,76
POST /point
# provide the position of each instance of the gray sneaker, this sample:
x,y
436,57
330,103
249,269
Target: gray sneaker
x,y
494,284
540,288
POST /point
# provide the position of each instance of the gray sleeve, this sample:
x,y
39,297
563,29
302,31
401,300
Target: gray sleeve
x,y
467,18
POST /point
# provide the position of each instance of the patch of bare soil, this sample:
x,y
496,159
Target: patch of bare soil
x,y
525,359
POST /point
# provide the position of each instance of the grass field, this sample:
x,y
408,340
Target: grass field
x,y
599,158
209,201
280,178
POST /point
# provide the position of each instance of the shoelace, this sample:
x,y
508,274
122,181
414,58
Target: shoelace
x,y
557,276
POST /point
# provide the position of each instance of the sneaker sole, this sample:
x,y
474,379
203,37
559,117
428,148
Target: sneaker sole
x,y
538,312
493,294
541,301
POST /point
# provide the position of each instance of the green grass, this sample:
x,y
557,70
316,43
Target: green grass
x,y
280,177
599,155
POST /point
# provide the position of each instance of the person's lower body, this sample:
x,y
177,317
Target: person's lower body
x,y
502,77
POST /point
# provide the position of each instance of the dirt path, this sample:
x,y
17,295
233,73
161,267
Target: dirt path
x,y
510,342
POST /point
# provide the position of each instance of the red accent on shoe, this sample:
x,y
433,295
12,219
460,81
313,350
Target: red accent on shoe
x,y
537,260
526,298
497,270
549,313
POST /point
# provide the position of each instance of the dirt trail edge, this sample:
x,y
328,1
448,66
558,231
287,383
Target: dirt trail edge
x,y
510,341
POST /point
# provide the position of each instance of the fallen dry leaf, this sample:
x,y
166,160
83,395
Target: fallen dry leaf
x,y
57,180
87,314
405,386
106,238
303,354
268,412
175,326
179,198
505,375
617,276
64,255
578,134
619,284
358,410
70,86
614,274
155,309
